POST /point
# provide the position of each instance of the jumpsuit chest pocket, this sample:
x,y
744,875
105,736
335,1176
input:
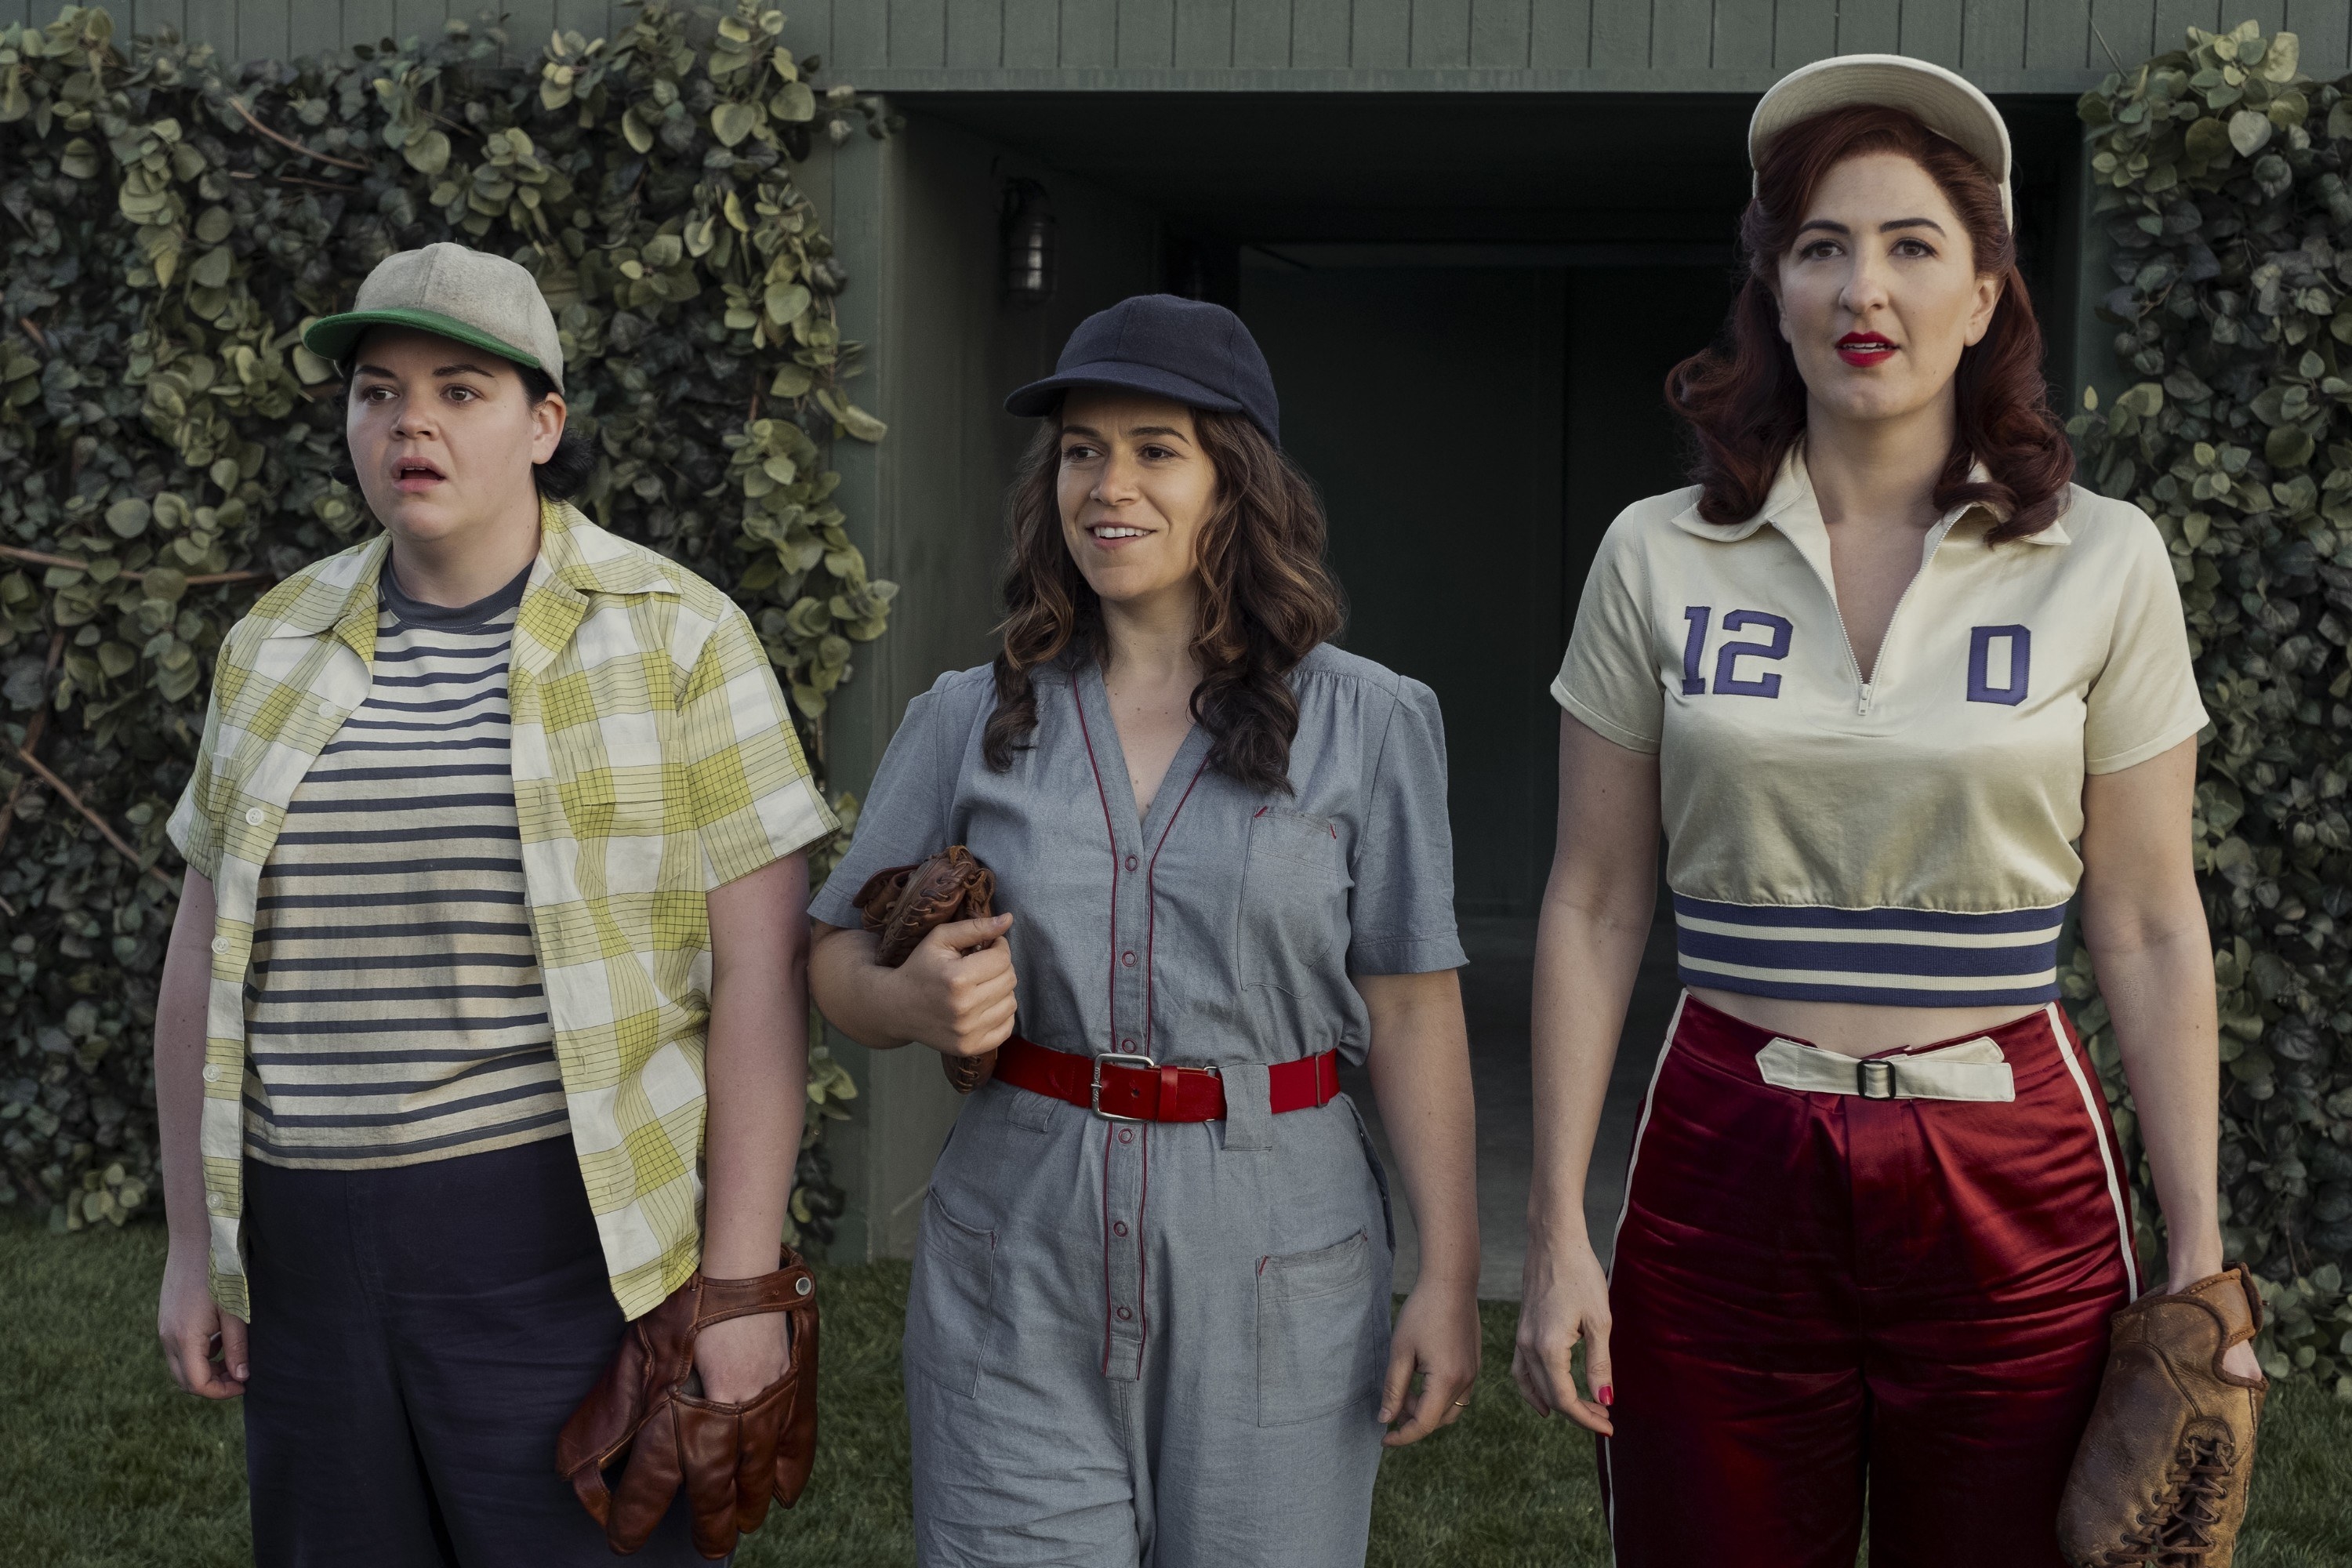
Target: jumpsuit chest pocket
x,y
950,1297
1293,898
1319,1349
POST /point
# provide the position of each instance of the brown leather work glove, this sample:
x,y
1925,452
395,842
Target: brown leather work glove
x,y
2161,1475
733,1457
905,903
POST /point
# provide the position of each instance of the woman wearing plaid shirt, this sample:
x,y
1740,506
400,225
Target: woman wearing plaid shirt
x,y
495,862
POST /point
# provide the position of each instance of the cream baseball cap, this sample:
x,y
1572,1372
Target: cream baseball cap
x,y
1945,102
472,296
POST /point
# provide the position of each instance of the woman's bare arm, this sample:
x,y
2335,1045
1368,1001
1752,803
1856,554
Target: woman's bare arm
x,y
1588,941
1420,1066
2145,925
185,1316
755,1071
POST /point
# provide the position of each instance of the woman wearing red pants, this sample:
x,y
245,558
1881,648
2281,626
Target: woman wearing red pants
x,y
1893,689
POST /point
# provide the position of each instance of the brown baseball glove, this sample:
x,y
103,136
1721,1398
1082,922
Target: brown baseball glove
x,y
2161,1477
733,1459
904,903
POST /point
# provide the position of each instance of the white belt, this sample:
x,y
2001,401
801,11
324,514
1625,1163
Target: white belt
x,y
1972,1069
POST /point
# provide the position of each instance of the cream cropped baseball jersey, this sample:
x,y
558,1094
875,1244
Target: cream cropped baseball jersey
x,y
1904,841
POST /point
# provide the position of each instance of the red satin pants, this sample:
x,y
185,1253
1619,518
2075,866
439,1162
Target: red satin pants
x,y
1819,1298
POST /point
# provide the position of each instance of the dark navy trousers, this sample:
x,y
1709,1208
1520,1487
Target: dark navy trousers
x,y
419,1337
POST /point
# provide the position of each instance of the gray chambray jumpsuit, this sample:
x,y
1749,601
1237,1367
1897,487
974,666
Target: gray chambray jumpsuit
x,y
1162,1343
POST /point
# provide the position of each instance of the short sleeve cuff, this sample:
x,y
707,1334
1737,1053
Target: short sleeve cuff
x,y
1600,723
191,834
785,821
831,905
2116,761
1406,954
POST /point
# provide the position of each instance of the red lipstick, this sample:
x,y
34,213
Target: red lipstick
x,y
1866,348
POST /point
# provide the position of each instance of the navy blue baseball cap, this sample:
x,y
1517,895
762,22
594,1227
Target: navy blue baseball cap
x,y
1198,353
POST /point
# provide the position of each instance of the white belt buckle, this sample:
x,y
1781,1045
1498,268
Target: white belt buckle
x,y
1875,1079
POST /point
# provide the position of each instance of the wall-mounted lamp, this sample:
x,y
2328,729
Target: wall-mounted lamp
x,y
1029,260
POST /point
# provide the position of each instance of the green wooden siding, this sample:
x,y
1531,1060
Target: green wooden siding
x,y
2014,45
1736,46
275,29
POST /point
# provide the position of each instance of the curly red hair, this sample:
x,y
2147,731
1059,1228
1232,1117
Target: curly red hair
x,y
1745,402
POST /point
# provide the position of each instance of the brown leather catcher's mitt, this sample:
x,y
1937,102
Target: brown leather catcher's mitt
x,y
2162,1473
904,904
733,1457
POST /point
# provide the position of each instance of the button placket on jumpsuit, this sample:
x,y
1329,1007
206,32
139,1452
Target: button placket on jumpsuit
x,y
1162,1342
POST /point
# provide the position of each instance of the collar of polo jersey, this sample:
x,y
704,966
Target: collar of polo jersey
x,y
1790,503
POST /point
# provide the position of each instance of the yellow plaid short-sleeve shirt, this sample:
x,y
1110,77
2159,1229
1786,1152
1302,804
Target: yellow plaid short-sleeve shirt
x,y
654,760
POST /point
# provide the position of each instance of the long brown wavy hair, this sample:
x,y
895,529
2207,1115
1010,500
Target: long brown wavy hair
x,y
1745,402
1266,600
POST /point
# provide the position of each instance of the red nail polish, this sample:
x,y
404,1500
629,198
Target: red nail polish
x,y
1605,1394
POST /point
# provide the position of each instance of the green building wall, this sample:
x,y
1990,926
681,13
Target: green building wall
x,y
916,219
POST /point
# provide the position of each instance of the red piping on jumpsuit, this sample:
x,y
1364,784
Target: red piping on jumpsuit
x,y
1106,1244
1142,1280
1151,899
1110,996
1150,929
1110,834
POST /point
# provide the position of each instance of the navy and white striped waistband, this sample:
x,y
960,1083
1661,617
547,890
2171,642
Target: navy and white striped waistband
x,y
1899,958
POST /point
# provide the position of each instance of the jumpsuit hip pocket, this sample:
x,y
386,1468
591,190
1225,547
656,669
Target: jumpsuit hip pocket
x,y
1318,1348
949,1298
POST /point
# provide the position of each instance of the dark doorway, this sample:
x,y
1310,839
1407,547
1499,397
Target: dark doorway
x,y
1470,303
1473,429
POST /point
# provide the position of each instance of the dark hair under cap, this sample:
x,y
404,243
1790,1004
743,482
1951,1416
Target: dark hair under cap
x,y
1198,353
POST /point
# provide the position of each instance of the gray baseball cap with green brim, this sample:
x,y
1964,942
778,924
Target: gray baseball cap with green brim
x,y
483,300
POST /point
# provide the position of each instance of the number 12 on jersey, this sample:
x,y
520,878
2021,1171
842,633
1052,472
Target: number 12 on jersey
x,y
1727,680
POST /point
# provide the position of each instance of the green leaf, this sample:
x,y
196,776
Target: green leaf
x,y
129,517
212,268
2208,140
730,123
2250,132
785,301
2288,447
165,583
2280,59
429,153
794,102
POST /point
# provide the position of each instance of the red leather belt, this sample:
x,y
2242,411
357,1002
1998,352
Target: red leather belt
x,y
1124,1088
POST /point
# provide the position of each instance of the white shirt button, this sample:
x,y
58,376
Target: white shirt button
x,y
213,1202
220,944
253,815
326,709
212,1072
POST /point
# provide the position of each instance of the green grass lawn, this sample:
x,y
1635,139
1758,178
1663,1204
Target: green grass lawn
x,y
103,1463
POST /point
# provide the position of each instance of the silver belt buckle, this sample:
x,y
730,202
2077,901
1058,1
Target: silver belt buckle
x,y
1117,1058
1875,1079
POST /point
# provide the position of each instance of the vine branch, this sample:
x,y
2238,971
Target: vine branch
x,y
66,793
35,728
202,579
288,141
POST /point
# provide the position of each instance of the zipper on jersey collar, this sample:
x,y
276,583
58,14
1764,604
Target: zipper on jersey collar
x,y
1866,691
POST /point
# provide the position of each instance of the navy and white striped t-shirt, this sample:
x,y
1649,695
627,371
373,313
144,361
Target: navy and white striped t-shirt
x,y
393,1005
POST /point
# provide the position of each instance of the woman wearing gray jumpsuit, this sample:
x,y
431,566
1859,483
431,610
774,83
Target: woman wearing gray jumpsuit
x,y
1222,844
